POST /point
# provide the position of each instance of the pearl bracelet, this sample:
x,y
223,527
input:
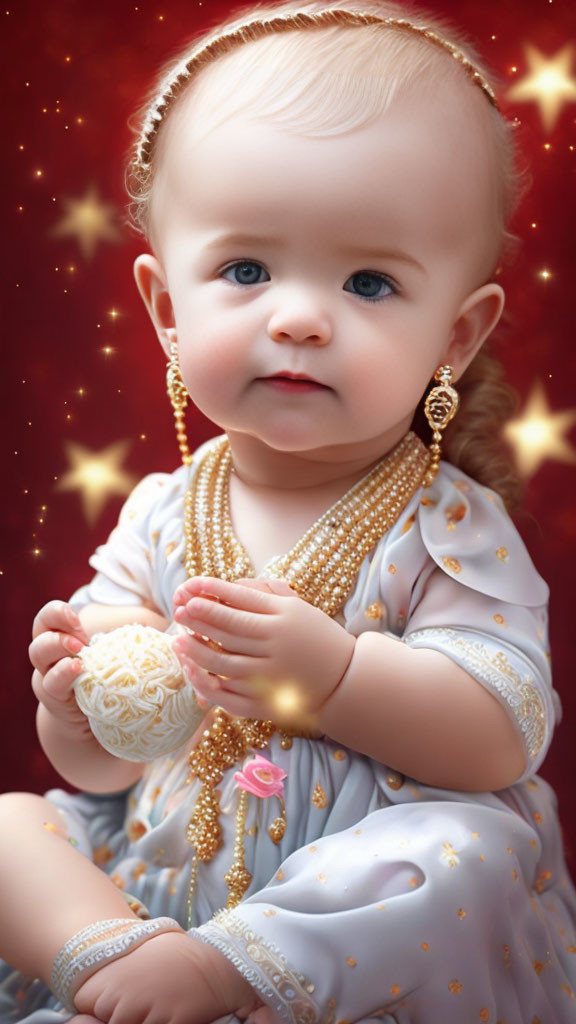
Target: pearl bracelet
x,y
97,945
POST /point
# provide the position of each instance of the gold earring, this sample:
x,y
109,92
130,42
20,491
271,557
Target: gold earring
x,y
179,399
440,407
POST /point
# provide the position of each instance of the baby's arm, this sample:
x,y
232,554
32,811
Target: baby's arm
x,y
420,712
413,709
58,635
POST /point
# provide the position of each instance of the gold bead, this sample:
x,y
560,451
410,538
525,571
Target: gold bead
x,y
277,830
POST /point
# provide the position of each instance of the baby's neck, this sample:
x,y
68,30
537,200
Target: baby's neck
x,y
275,496
333,470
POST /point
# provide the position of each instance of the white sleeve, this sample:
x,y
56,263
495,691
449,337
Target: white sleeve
x,y
132,566
454,575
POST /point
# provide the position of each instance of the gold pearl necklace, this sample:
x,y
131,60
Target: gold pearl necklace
x,y
322,567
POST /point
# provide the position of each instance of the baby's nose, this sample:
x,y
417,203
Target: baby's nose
x,y
300,320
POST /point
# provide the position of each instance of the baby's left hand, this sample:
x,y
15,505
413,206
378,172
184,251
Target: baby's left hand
x,y
258,650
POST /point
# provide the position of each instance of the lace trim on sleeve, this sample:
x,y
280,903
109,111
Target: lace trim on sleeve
x,y
492,667
263,966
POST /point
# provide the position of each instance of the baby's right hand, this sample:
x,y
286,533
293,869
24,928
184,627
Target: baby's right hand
x,y
58,636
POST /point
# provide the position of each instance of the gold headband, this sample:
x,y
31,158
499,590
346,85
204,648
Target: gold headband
x,y
237,35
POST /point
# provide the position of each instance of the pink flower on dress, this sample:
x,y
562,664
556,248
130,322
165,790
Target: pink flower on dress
x,y
261,777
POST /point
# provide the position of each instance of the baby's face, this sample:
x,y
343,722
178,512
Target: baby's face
x,y
316,282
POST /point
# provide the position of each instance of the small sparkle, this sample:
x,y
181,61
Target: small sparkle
x,y
38,173
545,274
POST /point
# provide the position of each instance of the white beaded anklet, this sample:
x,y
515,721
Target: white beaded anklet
x,y
93,947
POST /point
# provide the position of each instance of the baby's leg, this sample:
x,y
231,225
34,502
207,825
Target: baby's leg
x,y
48,890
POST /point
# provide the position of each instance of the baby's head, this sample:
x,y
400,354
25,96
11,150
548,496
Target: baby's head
x,y
322,124
328,69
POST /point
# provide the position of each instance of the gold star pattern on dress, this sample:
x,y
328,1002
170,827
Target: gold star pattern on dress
x,y
539,434
96,475
549,83
89,220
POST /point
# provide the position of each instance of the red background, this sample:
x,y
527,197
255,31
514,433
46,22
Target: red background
x,y
75,72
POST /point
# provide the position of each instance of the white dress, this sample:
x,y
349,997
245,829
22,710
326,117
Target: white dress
x,y
386,897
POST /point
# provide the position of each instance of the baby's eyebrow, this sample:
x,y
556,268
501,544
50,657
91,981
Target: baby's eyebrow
x,y
366,252
357,252
234,238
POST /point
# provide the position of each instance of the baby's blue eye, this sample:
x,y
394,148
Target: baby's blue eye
x,y
369,285
245,272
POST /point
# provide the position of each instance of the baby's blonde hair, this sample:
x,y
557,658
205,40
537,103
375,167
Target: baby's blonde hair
x,y
332,79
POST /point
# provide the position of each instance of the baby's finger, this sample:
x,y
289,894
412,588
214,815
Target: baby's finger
x,y
217,661
240,707
222,693
213,687
234,621
64,706
59,680
234,594
181,595
57,615
271,585
220,638
49,648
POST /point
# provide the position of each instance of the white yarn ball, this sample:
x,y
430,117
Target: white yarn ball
x,y
134,694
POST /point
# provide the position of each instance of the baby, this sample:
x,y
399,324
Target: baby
x,y
357,830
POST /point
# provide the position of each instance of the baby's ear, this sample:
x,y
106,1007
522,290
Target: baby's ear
x,y
477,318
153,287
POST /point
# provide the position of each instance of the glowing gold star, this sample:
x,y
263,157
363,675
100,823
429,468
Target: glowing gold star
x,y
96,475
549,83
90,221
538,434
287,699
